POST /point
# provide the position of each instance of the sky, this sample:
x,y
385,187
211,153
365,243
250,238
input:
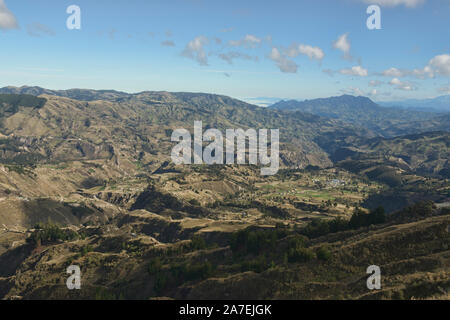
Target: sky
x,y
259,51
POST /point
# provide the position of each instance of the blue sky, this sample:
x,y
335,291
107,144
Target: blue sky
x,y
245,49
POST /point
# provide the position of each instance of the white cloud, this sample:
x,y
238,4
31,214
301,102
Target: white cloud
x,y
230,56
249,41
285,65
441,64
353,91
315,53
343,44
227,30
438,65
402,85
400,73
168,43
355,71
445,90
375,83
358,92
112,33
393,72
7,18
394,3
395,81
195,50
312,52
426,72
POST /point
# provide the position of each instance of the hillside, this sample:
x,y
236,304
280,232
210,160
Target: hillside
x,y
140,126
92,183
132,258
438,104
437,123
425,153
415,167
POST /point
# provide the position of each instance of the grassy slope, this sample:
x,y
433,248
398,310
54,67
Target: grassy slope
x,y
414,258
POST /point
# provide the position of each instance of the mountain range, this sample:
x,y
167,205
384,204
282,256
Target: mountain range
x,y
77,94
438,104
84,124
363,112
140,125
86,179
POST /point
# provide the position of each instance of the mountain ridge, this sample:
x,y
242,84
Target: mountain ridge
x,y
437,104
360,111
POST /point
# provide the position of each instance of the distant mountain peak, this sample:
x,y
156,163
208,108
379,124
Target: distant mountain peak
x,y
357,110
438,104
361,101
